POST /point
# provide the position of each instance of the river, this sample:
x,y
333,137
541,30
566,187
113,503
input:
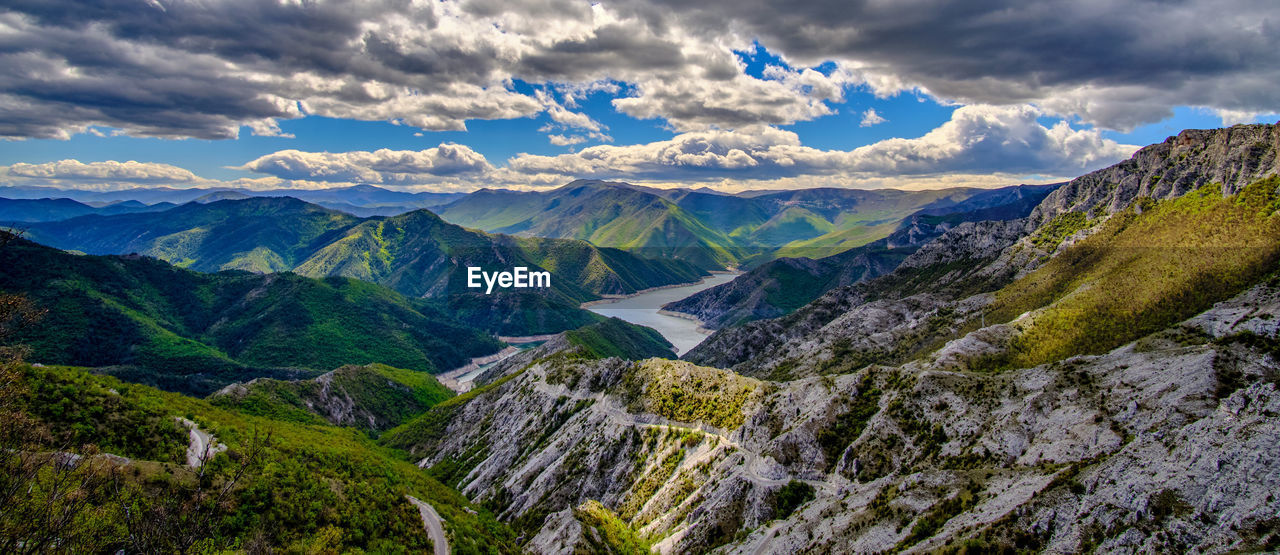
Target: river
x,y
643,309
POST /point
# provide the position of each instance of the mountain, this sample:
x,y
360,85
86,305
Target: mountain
x,y
373,397
710,230
1101,374
781,286
186,331
416,254
53,209
256,234
361,196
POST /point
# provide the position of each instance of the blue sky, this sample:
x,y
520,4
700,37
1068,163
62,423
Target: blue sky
x,y
725,95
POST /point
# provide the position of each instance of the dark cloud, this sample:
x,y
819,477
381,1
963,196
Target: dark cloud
x,y
203,69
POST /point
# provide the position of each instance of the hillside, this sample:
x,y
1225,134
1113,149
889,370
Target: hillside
x,y
373,397
416,254
186,331
278,485
257,235
781,286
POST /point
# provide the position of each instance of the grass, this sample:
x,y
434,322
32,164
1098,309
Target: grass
x,y
1146,268
688,393
314,485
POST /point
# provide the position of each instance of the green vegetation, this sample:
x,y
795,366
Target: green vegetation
x,y
1064,225
611,534
790,497
932,520
618,338
381,397
285,486
192,332
1171,260
429,427
644,488
688,393
849,425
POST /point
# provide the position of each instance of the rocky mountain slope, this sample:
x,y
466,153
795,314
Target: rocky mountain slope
x,y
1092,377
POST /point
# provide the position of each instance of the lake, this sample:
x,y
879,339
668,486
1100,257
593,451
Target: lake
x,y
643,309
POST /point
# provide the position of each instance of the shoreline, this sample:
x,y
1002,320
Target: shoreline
x,y
702,329
477,361
607,299
518,339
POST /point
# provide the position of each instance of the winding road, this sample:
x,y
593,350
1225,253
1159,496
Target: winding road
x,y
433,523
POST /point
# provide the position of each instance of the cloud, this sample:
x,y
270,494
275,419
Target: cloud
x,y
976,140
870,117
383,166
562,140
131,171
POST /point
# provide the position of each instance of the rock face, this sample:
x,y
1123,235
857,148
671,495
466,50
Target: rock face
x,y
1235,157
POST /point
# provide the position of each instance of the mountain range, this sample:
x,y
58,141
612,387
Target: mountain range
x,y
711,230
416,253
780,286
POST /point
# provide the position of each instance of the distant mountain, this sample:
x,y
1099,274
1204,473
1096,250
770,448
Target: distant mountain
x,y
781,286
709,229
194,332
257,234
363,197
53,209
417,254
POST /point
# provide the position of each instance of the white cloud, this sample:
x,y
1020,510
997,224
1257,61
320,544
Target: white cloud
x,y
870,117
562,140
111,170
976,140
381,166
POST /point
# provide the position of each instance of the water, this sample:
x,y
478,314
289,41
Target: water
x,y
643,309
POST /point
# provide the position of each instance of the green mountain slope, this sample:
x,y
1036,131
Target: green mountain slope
x,y
195,332
617,338
259,235
373,397
298,488
1172,259
416,254
712,231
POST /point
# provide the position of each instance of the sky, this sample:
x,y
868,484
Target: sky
x,y
459,95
